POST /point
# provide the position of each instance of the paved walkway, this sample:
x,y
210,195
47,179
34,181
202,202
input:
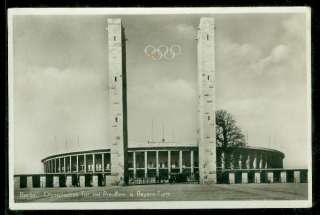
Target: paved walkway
x,y
166,192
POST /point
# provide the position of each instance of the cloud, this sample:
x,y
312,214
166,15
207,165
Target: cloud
x,y
279,54
186,29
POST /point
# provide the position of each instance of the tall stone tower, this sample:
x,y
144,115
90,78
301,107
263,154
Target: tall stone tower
x,y
117,101
206,105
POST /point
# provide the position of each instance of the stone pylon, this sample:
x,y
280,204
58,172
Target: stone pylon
x,y
206,103
117,101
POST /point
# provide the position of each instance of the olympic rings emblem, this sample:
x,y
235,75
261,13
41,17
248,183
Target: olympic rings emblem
x,y
162,52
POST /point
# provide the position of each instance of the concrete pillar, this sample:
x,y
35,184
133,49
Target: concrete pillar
x,y
102,164
157,163
43,181
283,177
244,177
169,162
117,100
95,181
16,182
56,181
222,161
296,176
180,161
77,167
64,165
248,161
29,182
59,166
93,162
207,100
85,162
70,164
240,161
145,164
260,163
107,179
270,177
192,162
231,178
257,178
134,165
69,181
254,162
82,181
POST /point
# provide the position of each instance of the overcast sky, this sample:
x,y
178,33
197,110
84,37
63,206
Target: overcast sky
x,y
61,82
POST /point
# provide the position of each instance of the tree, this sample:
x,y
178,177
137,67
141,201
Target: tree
x,y
228,134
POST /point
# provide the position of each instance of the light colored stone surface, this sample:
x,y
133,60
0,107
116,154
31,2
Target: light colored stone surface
x,y
17,182
270,177
231,178
29,182
244,176
82,181
257,177
118,143
69,181
206,103
43,181
296,176
95,181
283,177
56,181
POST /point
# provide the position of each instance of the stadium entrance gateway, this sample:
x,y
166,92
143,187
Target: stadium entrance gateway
x,y
118,113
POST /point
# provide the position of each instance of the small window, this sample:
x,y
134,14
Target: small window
x,y
208,77
115,79
116,119
208,117
207,36
114,38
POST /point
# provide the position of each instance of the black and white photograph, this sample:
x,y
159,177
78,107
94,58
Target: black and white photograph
x,y
154,108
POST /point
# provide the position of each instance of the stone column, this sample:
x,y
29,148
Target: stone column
x,y
222,160
244,177
93,162
102,162
260,163
70,164
85,162
254,161
283,177
59,165
240,161
207,100
257,178
169,162
180,161
69,181
29,182
82,181
95,181
64,164
145,164
16,182
134,165
296,176
192,162
157,163
231,178
42,181
77,167
56,181
270,177
248,161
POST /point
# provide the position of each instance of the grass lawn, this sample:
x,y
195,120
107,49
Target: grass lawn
x,y
166,192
